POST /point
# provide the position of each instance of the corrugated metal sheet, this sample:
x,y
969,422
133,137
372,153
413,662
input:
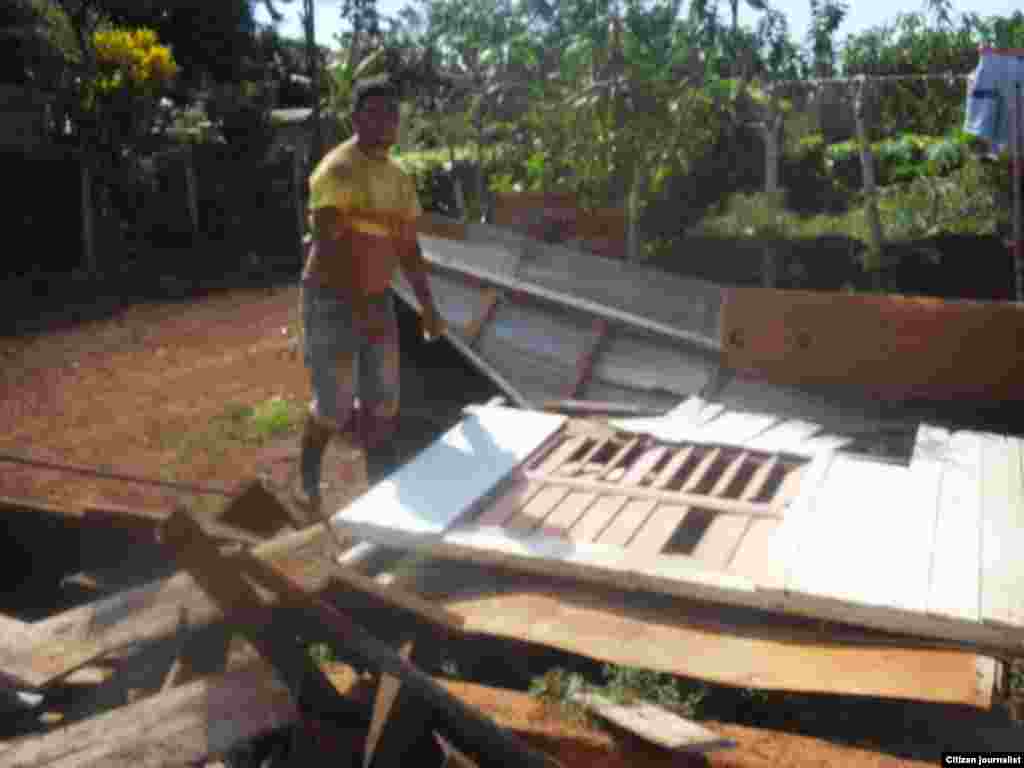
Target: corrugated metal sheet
x,y
689,305
643,361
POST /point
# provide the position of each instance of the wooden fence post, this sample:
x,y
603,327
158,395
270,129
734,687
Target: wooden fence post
x,y
867,163
192,190
88,220
1016,150
772,138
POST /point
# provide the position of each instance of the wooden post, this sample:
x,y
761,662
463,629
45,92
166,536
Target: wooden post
x,y
867,162
88,221
1016,150
772,138
192,191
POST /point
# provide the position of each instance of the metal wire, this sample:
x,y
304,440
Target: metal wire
x,y
201,490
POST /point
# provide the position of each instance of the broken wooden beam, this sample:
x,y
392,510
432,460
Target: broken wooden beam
x,y
179,728
60,644
401,729
227,580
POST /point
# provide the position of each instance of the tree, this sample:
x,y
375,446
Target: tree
x,y
826,17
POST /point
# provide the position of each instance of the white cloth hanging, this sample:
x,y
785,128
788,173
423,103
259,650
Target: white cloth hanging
x,y
991,90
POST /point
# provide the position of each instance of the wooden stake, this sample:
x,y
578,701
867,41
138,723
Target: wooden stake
x,y
88,221
867,163
192,191
1017,150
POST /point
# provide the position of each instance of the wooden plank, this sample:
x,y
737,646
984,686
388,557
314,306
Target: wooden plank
x,y
656,725
955,588
567,513
701,470
574,468
658,529
1002,532
880,344
730,473
724,506
476,733
520,492
73,638
785,544
869,538
171,730
759,479
673,466
598,517
751,556
553,461
627,523
399,726
721,538
644,465
422,499
727,647
683,576
624,516
537,509
613,464
662,520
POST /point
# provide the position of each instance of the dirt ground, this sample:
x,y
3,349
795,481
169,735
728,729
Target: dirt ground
x,y
124,394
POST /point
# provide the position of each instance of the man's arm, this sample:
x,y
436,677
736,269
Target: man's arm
x,y
415,268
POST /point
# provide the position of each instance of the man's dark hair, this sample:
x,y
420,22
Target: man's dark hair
x,y
382,85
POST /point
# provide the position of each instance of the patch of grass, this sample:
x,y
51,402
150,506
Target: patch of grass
x,y
626,685
237,423
623,685
274,418
557,687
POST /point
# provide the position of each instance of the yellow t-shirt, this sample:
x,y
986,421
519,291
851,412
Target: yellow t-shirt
x,y
379,203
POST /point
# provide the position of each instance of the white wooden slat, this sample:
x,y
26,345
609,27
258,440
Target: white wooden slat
x,y
658,529
593,562
723,534
567,513
676,424
425,496
590,526
868,537
1002,532
785,437
956,554
735,428
533,513
785,543
510,502
627,523
753,557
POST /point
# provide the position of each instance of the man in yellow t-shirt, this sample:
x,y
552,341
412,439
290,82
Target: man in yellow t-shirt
x,y
363,212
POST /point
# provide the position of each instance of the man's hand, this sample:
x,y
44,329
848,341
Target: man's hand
x,y
432,325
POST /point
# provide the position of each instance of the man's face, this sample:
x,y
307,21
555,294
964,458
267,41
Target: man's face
x,y
376,121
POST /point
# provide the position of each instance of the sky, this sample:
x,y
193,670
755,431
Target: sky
x,y
863,14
